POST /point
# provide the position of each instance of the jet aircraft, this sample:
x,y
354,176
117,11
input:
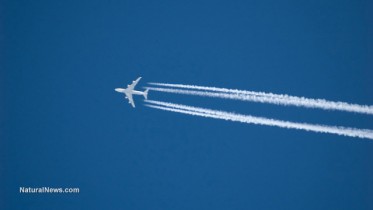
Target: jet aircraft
x,y
129,91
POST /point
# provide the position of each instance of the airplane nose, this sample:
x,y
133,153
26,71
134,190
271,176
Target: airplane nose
x,y
117,89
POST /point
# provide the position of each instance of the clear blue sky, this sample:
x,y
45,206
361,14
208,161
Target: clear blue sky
x,y
62,124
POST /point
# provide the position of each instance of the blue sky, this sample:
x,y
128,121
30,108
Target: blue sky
x,y
62,124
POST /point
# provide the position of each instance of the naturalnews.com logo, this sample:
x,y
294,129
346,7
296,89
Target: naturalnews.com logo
x,y
48,190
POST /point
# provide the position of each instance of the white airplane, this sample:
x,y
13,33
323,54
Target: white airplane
x,y
129,91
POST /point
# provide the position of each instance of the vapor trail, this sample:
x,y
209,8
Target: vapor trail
x,y
262,97
216,95
216,114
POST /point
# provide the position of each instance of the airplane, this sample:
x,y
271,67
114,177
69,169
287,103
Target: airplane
x,y
129,91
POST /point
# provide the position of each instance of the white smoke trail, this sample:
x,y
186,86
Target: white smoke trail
x,y
209,113
258,98
217,95
271,98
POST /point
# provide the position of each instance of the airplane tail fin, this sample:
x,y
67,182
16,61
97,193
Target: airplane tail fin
x,y
146,93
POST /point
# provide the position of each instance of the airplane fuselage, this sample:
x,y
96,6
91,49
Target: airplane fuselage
x,y
132,92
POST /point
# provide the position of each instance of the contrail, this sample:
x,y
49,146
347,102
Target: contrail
x,y
270,100
217,95
262,97
216,114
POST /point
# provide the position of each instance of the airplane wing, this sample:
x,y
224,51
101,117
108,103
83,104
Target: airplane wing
x,y
134,83
130,99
